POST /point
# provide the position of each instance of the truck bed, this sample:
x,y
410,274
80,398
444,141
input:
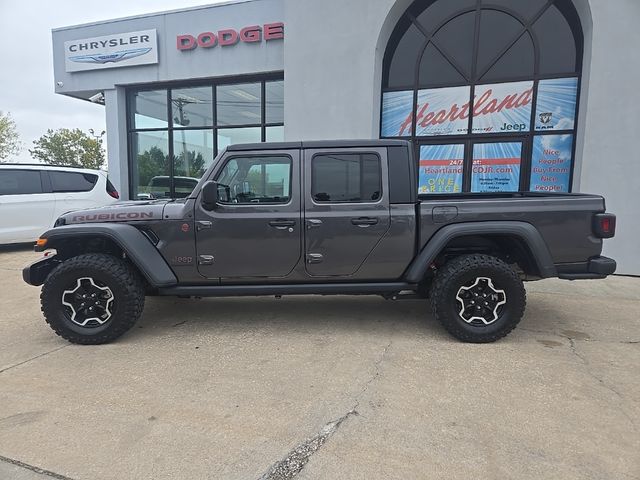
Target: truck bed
x,y
563,220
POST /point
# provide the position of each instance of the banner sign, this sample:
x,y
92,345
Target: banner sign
x,y
551,163
496,167
502,107
556,104
498,108
110,51
441,168
443,111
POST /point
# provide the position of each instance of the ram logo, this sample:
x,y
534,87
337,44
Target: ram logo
x,y
114,57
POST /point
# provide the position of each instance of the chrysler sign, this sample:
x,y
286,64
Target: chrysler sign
x,y
230,36
109,51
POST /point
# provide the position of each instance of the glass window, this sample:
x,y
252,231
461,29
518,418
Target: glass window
x,y
496,167
405,57
250,180
151,166
239,104
72,182
441,168
518,61
435,69
233,136
149,109
193,152
353,177
488,60
557,45
274,102
275,134
192,107
20,182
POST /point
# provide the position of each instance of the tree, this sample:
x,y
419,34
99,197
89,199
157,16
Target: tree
x,y
9,137
68,147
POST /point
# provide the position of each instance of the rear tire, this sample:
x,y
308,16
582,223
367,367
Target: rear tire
x,y
92,299
478,298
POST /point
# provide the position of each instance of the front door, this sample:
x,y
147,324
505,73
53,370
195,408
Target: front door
x,y
255,230
346,208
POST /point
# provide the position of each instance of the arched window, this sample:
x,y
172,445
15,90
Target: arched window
x,y
488,91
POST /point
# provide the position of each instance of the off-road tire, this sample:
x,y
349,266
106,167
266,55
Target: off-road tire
x,y
460,272
123,281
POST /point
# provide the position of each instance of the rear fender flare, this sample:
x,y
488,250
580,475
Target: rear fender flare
x,y
521,230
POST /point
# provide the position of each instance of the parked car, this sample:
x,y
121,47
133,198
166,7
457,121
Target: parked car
x,y
33,196
319,218
160,187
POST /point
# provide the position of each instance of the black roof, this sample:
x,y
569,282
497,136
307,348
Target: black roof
x,y
317,144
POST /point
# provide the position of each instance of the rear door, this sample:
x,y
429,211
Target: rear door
x,y
346,208
26,209
255,230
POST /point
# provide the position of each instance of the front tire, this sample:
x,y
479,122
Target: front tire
x,y
478,298
92,299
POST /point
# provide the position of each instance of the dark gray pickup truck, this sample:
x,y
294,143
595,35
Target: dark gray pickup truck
x,y
318,218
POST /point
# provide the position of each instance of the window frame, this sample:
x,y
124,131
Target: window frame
x,y
359,153
171,129
410,18
215,175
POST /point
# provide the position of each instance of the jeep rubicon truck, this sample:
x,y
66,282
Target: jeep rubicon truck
x,y
326,218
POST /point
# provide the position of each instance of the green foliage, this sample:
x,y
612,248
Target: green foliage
x,y
9,137
69,147
152,163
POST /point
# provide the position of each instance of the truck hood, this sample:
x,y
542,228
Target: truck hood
x,y
116,212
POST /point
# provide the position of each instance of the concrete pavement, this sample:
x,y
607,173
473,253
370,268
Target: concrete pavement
x,y
335,387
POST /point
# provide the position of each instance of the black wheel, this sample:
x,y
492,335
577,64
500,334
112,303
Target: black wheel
x,y
478,298
92,299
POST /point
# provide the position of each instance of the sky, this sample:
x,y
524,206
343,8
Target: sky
x,y
26,70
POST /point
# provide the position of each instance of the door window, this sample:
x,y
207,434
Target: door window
x,y
351,177
250,180
20,182
72,181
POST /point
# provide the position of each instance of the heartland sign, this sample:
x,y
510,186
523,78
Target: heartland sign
x,y
228,37
109,51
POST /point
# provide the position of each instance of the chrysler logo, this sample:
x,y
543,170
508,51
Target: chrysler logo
x,y
113,57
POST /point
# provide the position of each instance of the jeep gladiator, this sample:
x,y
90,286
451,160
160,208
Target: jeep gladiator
x,y
324,218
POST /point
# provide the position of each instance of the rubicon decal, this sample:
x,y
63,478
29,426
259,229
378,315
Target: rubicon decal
x,y
230,36
117,50
105,217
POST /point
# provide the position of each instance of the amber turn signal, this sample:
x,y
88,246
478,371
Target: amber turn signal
x,y
41,242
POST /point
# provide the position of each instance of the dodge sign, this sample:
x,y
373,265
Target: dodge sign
x,y
109,51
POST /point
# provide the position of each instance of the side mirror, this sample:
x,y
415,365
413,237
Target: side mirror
x,y
210,195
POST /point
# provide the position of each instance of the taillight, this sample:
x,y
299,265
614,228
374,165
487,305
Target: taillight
x,y
604,225
111,190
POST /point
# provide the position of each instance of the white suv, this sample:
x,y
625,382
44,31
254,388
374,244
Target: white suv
x,y
32,197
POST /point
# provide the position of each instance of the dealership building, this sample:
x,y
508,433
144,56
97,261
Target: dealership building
x,y
496,95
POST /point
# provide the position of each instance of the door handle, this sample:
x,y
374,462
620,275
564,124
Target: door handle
x,y
313,223
282,224
364,221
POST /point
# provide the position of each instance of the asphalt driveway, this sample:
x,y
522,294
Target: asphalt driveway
x,y
325,388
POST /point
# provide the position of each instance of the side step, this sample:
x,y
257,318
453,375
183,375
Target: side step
x,y
292,289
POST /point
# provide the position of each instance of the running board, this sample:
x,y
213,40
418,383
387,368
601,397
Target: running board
x,y
292,289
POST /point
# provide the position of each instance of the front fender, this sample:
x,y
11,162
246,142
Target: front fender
x,y
138,248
